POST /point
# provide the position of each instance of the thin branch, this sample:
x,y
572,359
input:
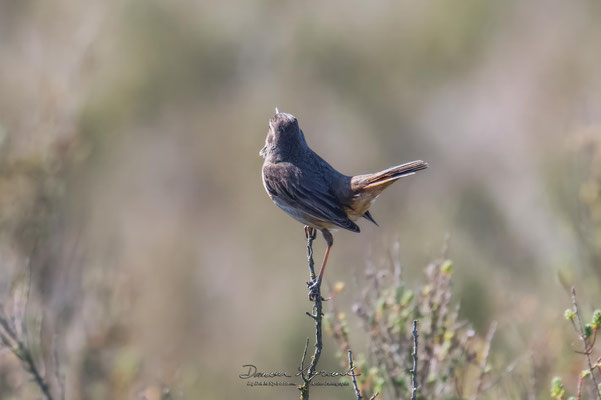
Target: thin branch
x,y
302,366
580,331
22,352
352,371
60,378
374,396
317,317
414,370
489,336
28,292
310,233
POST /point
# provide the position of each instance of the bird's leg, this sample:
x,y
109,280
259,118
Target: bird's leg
x,y
323,265
314,288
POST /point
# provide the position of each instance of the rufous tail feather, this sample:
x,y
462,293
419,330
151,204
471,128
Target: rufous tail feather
x,y
391,174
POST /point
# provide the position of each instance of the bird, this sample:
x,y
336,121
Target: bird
x,y
312,192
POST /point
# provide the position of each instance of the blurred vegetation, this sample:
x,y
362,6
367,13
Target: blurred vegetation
x,y
452,361
132,211
588,380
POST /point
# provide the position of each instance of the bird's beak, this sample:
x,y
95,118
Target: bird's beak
x,y
262,151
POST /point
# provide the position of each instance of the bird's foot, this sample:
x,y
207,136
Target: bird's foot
x,y
310,232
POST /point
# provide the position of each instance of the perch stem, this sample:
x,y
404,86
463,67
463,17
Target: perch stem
x,y
414,369
317,318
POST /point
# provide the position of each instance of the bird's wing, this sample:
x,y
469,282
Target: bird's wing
x,y
286,182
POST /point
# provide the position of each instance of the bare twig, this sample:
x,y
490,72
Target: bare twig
x,y
317,317
17,346
580,330
352,371
310,233
414,369
489,336
60,378
302,366
374,396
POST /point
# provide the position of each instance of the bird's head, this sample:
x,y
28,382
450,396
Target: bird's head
x,y
284,139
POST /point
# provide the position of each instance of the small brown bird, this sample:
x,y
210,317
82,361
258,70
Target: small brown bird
x,y
307,188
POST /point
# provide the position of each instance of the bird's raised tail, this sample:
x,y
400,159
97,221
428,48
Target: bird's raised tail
x,y
386,177
365,188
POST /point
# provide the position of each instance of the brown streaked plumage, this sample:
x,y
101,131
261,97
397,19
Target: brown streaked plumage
x,y
307,188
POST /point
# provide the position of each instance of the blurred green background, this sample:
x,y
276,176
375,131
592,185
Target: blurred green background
x,y
130,181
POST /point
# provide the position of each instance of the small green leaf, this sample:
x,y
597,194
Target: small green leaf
x,y
557,389
569,314
596,319
588,330
446,267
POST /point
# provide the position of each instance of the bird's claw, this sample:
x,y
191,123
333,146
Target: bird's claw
x,y
310,232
